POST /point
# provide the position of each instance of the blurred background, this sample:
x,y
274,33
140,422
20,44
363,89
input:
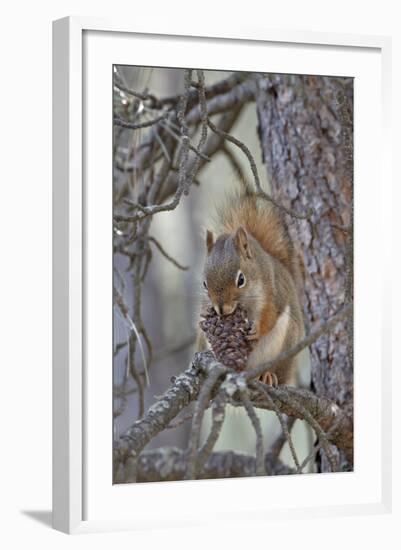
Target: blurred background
x,y
171,296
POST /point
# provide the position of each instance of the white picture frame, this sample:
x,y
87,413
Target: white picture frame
x,y
77,481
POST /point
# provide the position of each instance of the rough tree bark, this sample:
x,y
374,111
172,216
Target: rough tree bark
x,y
303,125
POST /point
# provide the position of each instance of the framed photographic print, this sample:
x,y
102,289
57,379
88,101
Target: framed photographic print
x,y
218,313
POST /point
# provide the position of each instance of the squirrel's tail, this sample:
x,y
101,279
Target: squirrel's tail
x,y
264,222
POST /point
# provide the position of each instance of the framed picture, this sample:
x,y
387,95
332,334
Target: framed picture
x,y
219,325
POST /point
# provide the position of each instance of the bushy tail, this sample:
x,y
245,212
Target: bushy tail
x,y
264,222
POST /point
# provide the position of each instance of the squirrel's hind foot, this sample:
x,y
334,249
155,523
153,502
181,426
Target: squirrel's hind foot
x,y
269,378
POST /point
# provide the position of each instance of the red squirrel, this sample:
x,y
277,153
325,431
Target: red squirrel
x,y
252,261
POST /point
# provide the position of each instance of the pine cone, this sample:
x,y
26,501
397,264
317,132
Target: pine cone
x,y
227,337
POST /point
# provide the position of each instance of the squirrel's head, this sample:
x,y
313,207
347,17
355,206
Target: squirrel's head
x,y
229,270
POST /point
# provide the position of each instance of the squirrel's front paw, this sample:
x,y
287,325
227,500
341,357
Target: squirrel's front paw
x,y
253,333
269,378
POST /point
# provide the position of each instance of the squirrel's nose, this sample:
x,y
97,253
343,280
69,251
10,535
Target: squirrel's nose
x,y
228,309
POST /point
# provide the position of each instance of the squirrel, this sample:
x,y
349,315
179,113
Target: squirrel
x,y
252,261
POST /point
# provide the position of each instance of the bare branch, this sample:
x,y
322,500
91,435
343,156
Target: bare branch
x,y
184,389
166,255
283,396
259,465
218,416
139,95
215,372
212,146
262,388
259,190
331,423
218,89
137,125
169,464
203,119
282,439
322,328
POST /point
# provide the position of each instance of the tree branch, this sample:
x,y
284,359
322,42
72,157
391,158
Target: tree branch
x,y
185,388
169,464
336,423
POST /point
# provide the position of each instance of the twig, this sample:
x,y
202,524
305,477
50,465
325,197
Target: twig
x,y
322,328
139,95
135,374
162,146
260,191
236,166
259,465
185,389
317,447
123,394
281,439
265,392
119,347
217,89
183,180
203,119
166,255
285,398
218,415
124,310
137,125
215,373
180,422
179,139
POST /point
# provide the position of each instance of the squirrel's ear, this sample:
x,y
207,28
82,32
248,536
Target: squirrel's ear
x,y
209,240
242,243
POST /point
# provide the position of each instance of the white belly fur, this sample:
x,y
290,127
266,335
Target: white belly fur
x,y
270,345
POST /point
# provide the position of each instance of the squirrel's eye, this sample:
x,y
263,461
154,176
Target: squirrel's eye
x,y
205,284
241,280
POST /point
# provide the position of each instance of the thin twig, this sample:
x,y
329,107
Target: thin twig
x,y
281,439
218,415
203,120
166,255
322,328
284,397
139,95
204,396
236,166
183,179
180,422
178,138
260,463
217,89
162,146
124,310
137,125
264,390
317,447
259,191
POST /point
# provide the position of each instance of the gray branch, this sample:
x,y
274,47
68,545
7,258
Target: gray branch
x,y
184,389
336,422
169,464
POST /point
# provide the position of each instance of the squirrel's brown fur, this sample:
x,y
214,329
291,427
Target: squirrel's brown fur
x,y
262,221
252,261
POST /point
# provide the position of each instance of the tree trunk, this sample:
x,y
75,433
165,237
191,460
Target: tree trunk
x,y
305,130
